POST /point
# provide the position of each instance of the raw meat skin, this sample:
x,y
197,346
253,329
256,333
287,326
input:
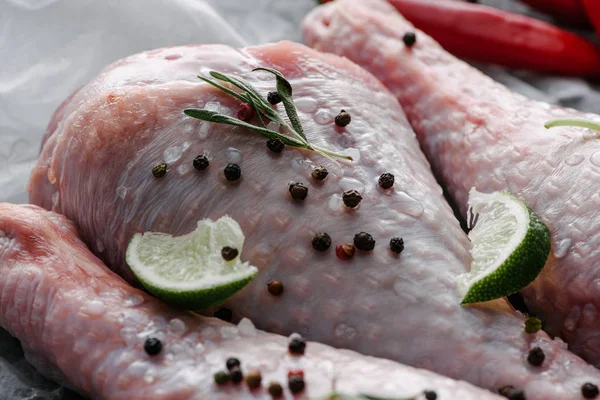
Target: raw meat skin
x,y
477,133
404,307
81,322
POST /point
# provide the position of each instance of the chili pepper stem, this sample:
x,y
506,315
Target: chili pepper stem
x,y
583,123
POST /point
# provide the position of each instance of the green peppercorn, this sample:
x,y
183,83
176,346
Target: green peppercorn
x,y
364,241
409,39
297,346
275,288
201,163
536,356
296,383
236,374
275,390
152,346
224,314
386,180
273,98
222,378
229,253
232,362
532,325
233,172
275,145
319,173
253,379
159,170
342,119
397,245
589,390
351,198
430,395
298,191
321,241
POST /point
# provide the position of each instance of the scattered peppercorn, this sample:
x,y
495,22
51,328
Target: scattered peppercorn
x,y
536,356
386,180
275,145
345,251
245,112
409,39
518,395
589,390
159,170
275,288
229,253
273,98
224,314
236,375
321,241
233,172
343,119
298,191
275,390
253,379
319,173
222,378
430,395
532,325
511,393
397,245
364,241
296,384
232,362
152,346
297,346
201,162
351,198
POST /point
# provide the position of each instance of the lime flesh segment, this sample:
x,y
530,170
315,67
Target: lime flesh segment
x,y
510,245
189,271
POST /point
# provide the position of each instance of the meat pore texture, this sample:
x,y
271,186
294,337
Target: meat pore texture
x,y
82,324
95,168
477,133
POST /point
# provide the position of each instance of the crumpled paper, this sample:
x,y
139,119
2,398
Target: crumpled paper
x,y
49,48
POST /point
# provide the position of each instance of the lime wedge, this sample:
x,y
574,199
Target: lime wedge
x,y
190,271
510,246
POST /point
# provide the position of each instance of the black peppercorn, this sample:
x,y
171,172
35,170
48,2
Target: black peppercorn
x,y
273,98
409,39
319,173
236,375
351,198
342,119
296,384
297,346
511,393
224,314
152,346
222,378
589,390
430,395
321,241
275,390
386,180
229,253
275,288
275,145
396,245
201,162
159,170
232,362
364,241
298,191
253,379
536,356
233,172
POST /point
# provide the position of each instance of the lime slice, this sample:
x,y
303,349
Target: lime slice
x,y
510,246
190,271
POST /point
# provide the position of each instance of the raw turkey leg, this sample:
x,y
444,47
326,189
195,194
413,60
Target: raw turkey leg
x,y
95,168
81,323
477,133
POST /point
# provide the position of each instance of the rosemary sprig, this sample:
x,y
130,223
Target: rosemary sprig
x,y
582,123
262,109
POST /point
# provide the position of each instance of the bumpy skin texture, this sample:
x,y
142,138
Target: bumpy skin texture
x,y
404,307
80,322
478,133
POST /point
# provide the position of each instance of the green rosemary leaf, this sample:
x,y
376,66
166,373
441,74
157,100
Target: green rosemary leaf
x,y
256,111
212,116
284,88
251,92
239,96
583,123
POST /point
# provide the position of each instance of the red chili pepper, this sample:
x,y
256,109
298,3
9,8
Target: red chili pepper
x,y
486,34
569,11
592,7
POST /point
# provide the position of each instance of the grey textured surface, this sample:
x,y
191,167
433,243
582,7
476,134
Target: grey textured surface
x,y
48,59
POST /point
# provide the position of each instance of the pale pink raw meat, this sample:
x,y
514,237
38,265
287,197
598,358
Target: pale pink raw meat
x,y
95,168
83,324
477,133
